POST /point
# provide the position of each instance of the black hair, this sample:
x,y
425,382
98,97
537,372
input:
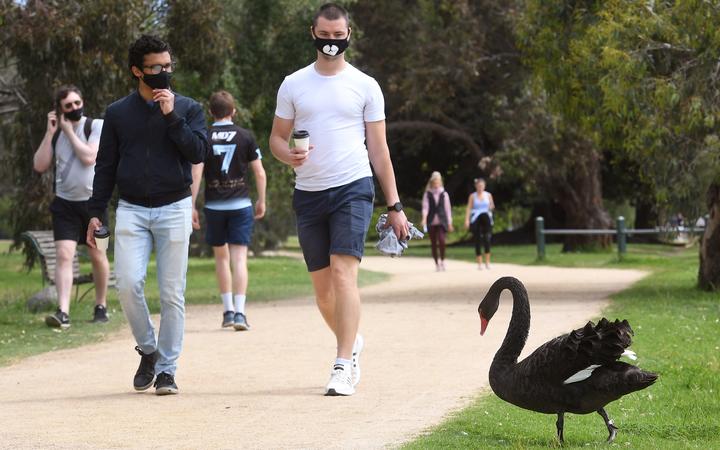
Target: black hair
x,y
62,92
145,45
331,11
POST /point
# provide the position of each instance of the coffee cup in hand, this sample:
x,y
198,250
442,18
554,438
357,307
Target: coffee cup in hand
x,y
102,238
302,139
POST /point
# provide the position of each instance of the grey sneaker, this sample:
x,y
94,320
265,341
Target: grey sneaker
x,y
100,314
165,384
240,322
228,319
58,320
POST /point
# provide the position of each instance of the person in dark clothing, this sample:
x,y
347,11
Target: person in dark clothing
x,y
149,141
229,215
437,217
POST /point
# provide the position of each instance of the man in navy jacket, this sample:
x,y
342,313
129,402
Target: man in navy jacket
x,y
149,142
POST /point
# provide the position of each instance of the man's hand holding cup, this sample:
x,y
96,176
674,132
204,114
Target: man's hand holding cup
x,y
91,238
300,152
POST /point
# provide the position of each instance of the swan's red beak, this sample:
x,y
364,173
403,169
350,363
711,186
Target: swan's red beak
x,y
483,324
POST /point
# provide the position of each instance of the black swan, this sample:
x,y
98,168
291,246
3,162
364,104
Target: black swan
x,y
575,373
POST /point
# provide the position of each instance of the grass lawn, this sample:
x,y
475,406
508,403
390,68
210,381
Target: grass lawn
x,y
23,333
677,334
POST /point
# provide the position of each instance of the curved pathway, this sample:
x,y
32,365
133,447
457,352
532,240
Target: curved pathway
x,y
423,359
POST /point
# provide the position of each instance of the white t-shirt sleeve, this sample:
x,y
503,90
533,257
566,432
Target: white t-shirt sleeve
x,y
285,108
375,104
95,130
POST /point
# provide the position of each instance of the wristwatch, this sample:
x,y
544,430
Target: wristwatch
x,y
397,207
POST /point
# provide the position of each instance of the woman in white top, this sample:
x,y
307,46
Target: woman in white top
x,y
437,217
478,218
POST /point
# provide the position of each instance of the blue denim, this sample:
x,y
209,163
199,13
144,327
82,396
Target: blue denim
x,y
169,228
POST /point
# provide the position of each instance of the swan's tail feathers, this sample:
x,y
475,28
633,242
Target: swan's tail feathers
x,y
637,379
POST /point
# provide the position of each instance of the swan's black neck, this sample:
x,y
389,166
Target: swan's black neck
x,y
519,323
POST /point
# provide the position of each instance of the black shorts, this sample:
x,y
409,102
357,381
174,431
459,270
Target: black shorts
x,y
70,220
229,227
334,221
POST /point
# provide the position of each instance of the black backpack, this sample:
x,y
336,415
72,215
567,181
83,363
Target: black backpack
x,y
87,129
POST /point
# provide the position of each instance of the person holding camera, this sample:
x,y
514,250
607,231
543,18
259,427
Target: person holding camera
x,y
71,141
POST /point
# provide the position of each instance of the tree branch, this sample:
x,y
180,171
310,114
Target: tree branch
x,y
442,130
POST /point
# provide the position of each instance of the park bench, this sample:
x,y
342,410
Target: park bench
x,y
43,245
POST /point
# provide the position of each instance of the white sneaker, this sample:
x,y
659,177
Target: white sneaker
x,y
340,383
487,266
357,348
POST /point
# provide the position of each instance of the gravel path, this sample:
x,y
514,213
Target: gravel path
x,y
423,359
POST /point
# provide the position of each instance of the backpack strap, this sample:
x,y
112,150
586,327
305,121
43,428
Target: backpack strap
x,y
88,128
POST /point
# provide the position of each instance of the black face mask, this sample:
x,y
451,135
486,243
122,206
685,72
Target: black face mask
x,y
74,115
331,47
159,81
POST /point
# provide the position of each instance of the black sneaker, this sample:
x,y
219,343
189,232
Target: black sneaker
x,y
165,384
240,322
58,320
228,319
100,314
146,371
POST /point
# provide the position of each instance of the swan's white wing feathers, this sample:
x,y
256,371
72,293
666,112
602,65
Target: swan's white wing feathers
x,y
630,354
581,375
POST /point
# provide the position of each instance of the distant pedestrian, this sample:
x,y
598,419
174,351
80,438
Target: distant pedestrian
x,y
437,217
71,143
229,214
478,218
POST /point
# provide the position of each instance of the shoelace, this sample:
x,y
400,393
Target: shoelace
x,y
341,376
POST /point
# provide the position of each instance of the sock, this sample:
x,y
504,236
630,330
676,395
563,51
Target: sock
x,y
345,363
227,301
239,303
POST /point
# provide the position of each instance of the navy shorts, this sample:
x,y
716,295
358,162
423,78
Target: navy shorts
x,y
70,220
229,227
334,221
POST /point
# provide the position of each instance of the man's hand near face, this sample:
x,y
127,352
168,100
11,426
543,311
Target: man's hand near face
x,y
166,99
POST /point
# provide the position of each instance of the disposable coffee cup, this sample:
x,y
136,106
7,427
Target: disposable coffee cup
x,y
302,139
102,238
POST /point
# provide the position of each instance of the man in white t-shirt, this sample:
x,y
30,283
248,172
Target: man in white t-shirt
x,y
73,143
342,109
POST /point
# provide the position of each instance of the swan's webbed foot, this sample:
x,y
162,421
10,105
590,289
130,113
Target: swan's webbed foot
x,y
559,424
612,429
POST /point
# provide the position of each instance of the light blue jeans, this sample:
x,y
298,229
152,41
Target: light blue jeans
x,y
169,228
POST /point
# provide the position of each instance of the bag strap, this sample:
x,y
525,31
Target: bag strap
x,y
88,128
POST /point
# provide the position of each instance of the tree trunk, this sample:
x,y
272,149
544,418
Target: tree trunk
x,y
581,199
709,272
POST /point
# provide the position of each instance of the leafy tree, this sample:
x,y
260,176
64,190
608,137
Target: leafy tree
x,y
641,79
54,43
448,70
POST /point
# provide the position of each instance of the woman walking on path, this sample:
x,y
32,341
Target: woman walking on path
x,y
478,218
437,212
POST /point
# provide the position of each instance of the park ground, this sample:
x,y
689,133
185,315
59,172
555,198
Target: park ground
x,y
424,363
